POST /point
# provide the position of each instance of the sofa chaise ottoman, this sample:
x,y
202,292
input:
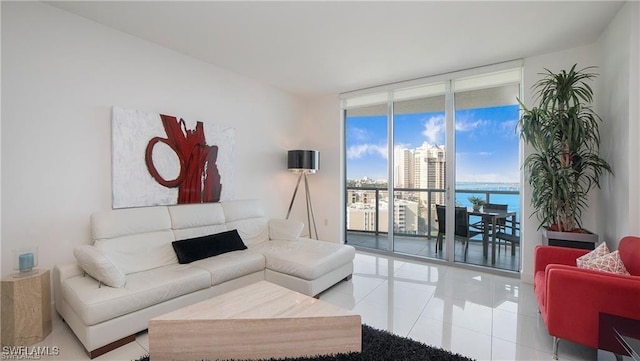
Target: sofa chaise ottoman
x,y
131,271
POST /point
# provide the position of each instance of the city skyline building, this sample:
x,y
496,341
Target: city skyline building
x,y
423,167
429,171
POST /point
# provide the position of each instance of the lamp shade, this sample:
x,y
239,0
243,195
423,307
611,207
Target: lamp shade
x,y
303,160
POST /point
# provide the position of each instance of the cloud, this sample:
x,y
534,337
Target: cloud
x,y
467,126
360,150
508,128
359,134
434,129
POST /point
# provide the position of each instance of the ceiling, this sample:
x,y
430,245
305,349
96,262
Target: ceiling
x,y
311,48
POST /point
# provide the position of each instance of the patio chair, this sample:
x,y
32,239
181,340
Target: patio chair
x,y
510,234
462,230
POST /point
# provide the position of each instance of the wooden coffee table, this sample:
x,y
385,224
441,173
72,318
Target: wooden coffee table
x,y
259,321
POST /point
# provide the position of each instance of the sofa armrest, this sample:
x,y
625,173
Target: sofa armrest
x,y
62,272
285,229
575,297
546,255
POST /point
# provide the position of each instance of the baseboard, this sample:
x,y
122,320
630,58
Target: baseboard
x,y
112,346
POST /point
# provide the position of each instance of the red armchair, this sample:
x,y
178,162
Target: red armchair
x,y
570,299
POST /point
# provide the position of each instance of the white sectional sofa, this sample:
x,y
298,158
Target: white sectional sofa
x,y
131,273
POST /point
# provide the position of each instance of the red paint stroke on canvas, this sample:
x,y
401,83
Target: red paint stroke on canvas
x,y
199,179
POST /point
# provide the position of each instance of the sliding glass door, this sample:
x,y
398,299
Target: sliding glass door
x,y
487,166
419,168
367,201
416,152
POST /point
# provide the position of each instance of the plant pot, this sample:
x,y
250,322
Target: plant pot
x,y
582,239
476,207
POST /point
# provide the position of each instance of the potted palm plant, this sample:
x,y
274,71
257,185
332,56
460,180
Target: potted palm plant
x,y
476,202
565,165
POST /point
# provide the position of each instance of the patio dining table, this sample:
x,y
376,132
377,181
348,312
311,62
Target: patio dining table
x,y
490,216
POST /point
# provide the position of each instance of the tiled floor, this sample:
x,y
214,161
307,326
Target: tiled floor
x,y
484,316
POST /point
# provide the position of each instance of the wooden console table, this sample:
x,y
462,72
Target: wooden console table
x,y
26,308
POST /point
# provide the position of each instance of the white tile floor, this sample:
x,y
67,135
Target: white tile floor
x,y
483,316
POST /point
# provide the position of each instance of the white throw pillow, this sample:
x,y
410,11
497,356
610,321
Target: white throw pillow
x,y
99,266
610,262
285,229
600,251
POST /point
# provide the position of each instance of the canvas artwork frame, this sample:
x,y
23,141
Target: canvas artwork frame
x,y
160,159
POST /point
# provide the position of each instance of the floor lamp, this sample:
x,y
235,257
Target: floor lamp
x,y
304,162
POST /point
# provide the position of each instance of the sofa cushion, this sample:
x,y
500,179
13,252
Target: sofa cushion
x,y
242,209
285,229
231,265
140,252
196,220
99,266
95,304
193,249
252,231
305,258
247,216
123,222
135,239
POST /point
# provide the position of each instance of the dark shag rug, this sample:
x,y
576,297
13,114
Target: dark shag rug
x,y
378,345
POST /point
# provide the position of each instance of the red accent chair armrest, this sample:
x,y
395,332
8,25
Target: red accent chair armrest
x,y
546,255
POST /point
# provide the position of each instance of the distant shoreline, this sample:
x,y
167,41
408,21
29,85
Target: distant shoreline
x,y
487,186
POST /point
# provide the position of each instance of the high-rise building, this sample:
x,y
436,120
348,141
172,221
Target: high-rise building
x,y
420,168
430,163
403,168
405,217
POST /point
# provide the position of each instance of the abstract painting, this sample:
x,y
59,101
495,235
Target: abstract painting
x,y
161,159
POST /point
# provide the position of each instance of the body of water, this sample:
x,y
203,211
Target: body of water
x,y
511,200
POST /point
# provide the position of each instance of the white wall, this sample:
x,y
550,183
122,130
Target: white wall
x,y
61,74
323,132
619,213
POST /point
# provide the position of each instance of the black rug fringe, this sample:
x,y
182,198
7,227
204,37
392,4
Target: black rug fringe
x,y
380,345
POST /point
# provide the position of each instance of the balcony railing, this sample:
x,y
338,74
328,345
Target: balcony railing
x,y
418,216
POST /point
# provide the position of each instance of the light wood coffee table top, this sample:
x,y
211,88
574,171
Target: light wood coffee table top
x,y
262,320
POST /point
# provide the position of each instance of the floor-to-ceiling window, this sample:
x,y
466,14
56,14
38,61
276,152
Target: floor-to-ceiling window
x,y
419,167
487,163
414,154
367,203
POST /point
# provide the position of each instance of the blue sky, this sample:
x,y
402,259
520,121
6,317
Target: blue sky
x,y
486,142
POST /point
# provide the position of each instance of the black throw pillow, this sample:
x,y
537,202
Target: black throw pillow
x,y
193,249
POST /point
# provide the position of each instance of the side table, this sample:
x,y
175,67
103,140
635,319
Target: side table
x,y
620,335
26,308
